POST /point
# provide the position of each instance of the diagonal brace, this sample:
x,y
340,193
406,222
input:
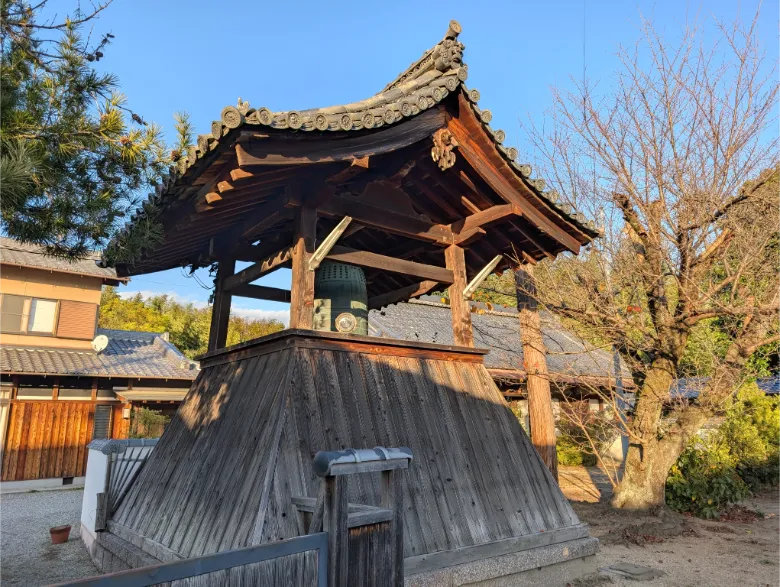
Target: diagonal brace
x,y
480,277
327,244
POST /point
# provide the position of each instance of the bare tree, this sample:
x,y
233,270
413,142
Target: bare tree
x,y
679,161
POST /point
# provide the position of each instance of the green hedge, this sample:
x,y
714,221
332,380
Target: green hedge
x,y
741,456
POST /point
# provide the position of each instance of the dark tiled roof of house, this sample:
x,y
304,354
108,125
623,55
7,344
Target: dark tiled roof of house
x,y
689,387
12,252
428,320
129,353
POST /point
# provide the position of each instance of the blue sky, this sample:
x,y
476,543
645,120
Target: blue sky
x,y
200,56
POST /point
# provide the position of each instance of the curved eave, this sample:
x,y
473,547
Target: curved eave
x,y
512,170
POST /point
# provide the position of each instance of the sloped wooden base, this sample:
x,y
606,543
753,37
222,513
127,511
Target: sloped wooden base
x,y
241,445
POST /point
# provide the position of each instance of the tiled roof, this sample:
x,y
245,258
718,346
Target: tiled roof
x,y
689,387
568,356
12,252
133,354
438,73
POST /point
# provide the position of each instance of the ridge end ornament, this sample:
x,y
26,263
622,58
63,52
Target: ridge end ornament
x,y
443,148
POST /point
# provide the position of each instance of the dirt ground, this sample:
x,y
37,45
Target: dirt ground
x,y
744,551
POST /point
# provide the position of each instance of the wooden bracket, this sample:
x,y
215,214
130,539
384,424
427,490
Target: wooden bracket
x,y
327,244
469,290
443,145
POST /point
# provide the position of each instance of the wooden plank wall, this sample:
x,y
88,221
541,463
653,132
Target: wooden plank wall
x,y
242,444
475,477
47,439
203,485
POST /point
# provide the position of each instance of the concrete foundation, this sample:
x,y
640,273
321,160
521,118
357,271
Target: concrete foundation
x,y
554,565
40,484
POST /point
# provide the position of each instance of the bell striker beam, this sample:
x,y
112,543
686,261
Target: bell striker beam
x,y
220,311
302,287
461,312
535,363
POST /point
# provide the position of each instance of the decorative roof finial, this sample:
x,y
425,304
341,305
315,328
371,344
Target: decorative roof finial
x,y
454,30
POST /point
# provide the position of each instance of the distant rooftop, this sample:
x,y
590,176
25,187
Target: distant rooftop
x,y
569,357
12,252
690,387
129,354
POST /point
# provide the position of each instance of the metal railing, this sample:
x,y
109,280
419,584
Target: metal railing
x,y
212,563
128,456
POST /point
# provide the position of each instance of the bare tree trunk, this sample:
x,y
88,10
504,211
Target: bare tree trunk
x,y
535,363
644,479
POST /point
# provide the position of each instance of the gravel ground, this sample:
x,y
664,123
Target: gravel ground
x,y
27,556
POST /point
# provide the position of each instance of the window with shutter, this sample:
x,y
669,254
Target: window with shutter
x,y
102,427
12,318
77,320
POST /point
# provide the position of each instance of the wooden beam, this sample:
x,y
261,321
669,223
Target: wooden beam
x,y
55,389
400,295
220,311
480,277
376,261
306,151
302,290
327,244
262,292
484,217
461,311
395,222
259,269
94,394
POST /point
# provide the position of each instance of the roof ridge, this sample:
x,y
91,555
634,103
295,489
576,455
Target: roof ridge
x,y
441,56
39,250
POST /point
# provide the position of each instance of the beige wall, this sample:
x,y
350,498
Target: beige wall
x,y
40,283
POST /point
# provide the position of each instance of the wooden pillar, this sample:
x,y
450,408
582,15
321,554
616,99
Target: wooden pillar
x,y
460,309
335,524
540,409
302,287
220,311
14,386
55,389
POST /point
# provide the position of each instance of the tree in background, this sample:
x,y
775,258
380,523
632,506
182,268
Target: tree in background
x,y
187,325
74,157
679,160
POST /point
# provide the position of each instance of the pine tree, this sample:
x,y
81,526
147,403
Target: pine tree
x,y
75,159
